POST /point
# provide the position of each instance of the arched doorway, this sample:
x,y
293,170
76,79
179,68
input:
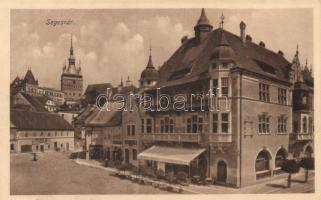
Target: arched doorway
x,y
221,171
308,151
262,164
280,157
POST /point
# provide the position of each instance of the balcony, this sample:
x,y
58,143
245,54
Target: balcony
x,y
304,136
220,137
173,137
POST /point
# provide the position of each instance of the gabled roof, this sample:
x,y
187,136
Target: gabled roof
x,y
105,118
29,78
30,120
194,58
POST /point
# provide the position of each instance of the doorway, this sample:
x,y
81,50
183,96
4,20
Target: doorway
x,y
221,171
42,148
126,155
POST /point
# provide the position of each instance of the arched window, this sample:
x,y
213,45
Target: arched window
x,y
262,162
280,157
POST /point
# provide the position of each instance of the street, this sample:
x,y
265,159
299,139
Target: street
x,y
56,174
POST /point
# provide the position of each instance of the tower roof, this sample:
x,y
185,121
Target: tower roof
x,y
222,49
203,20
29,78
150,61
149,73
71,47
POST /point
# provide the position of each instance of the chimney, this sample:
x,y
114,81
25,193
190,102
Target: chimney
x,y
262,44
248,38
184,39
242,31
280,53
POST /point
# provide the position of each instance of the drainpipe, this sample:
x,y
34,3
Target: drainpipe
x,y
240,148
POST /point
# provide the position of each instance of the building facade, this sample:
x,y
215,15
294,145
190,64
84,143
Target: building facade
x,y
29,85
39,131
221,107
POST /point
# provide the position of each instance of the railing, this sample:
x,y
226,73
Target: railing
x,y
187,137
220,137
174,137
304,136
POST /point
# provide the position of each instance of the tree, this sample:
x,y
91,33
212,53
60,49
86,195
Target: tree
x,y
291,167
307,163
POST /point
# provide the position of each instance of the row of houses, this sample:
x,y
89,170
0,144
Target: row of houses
x,y
265,111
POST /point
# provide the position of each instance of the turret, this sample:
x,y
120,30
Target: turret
x,y
203,27
149,75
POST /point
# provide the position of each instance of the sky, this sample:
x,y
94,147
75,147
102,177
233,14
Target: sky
x,y
114,43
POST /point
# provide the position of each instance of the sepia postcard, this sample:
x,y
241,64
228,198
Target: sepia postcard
x,y
170,99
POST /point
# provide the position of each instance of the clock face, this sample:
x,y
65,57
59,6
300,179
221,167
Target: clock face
x,y
304,99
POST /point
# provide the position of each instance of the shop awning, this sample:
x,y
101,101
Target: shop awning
x,y
181,156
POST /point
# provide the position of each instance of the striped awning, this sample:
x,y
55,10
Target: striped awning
x,y
181,156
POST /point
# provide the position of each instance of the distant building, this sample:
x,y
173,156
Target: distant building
x,y
94,90
33,103
71,79
39,131
29,85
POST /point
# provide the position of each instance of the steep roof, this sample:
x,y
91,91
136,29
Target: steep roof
x,y
203,20
30,120
29,78
105,118
192,59
98,88
35,102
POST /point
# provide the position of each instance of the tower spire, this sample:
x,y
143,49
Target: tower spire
x,y
71,47
150,61
222,21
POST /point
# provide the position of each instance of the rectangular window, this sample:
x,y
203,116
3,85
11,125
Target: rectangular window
x,y
194,124
215,87
133,130
171,126
305,124
282,124
162,126
134,154
215,123
264,124
264,92
200,124
224,86
149,126
282,96
128,130
166,124
225,122
143,126
189,125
